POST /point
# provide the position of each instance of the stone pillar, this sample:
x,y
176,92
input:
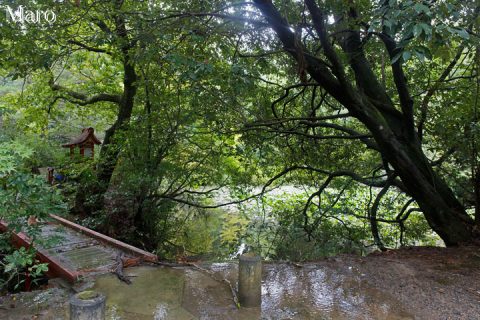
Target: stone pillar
x,y
250,280
87,305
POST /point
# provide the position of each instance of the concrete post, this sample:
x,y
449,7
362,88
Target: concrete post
x,y
87,305
250,280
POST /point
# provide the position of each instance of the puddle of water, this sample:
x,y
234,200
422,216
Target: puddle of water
x,y
316,292
312,292
155,293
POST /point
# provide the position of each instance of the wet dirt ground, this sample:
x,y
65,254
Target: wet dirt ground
x,y
417,283
288,293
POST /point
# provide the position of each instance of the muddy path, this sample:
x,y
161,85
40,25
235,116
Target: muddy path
x,y
431,283
411,283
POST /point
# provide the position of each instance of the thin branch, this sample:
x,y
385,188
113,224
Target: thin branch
x,y
406,100
444,157
366,181
202,206
430,92
312,119
318,18
212,14
405,217
373,214
83,99
260,55
443,76
89,48
323,137
309,200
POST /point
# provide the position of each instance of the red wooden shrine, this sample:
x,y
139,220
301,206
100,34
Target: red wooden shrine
x,y
85,143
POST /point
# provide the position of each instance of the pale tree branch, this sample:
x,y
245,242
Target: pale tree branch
x,y
81,98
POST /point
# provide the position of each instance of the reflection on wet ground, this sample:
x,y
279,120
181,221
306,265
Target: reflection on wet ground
x,y
288,292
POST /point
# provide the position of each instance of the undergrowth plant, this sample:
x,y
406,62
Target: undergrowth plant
x,y
25,198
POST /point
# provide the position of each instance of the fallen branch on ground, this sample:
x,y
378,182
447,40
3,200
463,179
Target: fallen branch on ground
x,y
119,270
208,272
214,277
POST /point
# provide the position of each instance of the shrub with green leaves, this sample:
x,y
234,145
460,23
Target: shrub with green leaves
x,y
22,195
20,265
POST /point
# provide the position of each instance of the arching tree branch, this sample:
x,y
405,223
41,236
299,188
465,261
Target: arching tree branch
x,y
81,98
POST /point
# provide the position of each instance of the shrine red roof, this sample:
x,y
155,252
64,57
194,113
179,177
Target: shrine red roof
x,y
87,135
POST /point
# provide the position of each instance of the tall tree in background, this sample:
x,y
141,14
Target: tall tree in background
x,y
97,35
117,42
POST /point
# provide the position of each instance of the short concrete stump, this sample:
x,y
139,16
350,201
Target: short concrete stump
x,y
250,280
87,305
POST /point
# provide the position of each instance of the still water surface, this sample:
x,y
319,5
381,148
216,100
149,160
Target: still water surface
x,y
288,292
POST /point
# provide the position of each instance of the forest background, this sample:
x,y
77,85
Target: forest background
x,y
296,129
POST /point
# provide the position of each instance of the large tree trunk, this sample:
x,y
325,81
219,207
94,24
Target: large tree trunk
x,y
368,101
110,151
444,213
90,198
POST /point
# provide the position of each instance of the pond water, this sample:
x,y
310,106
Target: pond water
x,y
288,292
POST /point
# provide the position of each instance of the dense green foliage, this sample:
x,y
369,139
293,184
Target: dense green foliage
x,y
200,105
23,196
